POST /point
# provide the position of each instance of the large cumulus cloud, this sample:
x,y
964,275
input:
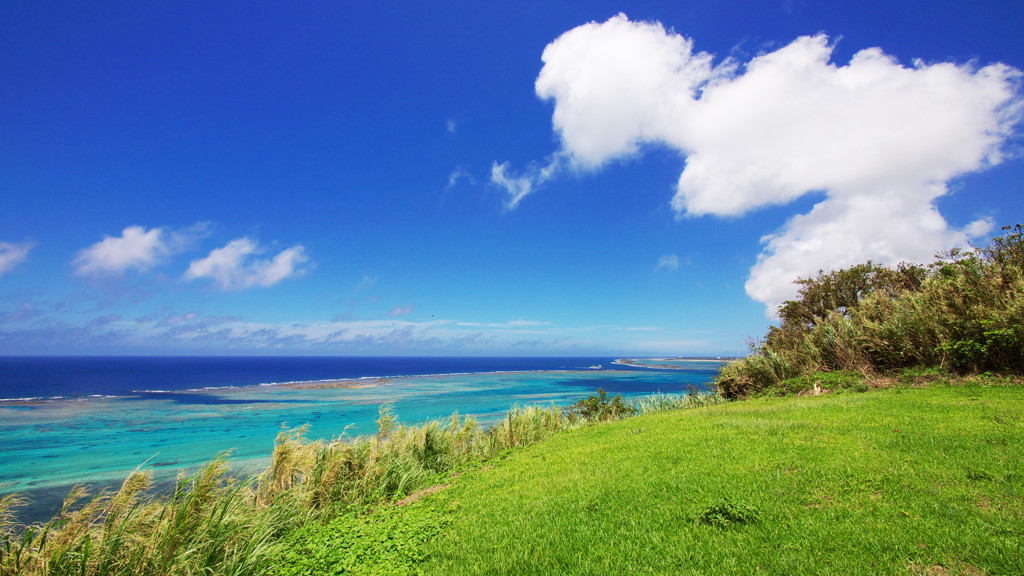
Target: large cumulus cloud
x,y
880,139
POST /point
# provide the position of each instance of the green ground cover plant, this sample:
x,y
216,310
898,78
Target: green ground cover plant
x,y
390,540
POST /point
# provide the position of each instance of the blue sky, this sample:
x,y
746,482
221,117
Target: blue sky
x,y
477,178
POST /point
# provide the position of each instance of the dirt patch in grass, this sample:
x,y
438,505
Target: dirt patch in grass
x,y
420,494
940,570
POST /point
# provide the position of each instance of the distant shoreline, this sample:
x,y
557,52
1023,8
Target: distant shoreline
x,y
669,363
374,381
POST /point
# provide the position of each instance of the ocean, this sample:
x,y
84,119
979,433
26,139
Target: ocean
x,y
92,420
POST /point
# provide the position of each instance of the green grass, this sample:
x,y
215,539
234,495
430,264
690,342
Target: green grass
x,y
902,481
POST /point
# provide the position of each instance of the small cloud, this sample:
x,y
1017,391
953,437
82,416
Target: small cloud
x,y
233,267
452,125
136,249
980,228
459,174
13,254
366,283
25,311
504,325
667,263
522,323
518,187
515,187
401,311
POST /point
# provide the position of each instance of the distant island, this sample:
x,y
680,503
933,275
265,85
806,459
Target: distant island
x,y
671,363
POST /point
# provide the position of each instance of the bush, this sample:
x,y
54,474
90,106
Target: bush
x,y
921,375
764,369
727,512
599,408
963,313
842,380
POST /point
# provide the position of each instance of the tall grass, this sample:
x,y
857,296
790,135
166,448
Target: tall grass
x,y
205,525
212,522
666,402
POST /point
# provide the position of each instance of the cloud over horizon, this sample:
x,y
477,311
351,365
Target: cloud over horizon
x,y
400,310
879,139
235,266
31,330
136,249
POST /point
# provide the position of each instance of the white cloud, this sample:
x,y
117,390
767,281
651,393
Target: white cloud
x,y
880,139
519,187
512,324
28,329
458,174
842,232
794,123
234,266
12,254
619,84
527,323
136,249
401,311
368,281
667,263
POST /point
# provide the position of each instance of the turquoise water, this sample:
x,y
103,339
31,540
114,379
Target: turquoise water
x,y
47,446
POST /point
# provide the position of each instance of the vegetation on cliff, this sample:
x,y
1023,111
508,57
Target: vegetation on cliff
x,y
962,314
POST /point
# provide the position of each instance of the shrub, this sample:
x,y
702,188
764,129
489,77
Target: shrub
x,y
764,369
841,380
921,375
598,408
727,512
963,313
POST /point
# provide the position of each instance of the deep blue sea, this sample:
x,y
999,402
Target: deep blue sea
x,y
92,420
75,377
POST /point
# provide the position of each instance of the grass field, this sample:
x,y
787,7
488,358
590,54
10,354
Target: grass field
x,y
901,481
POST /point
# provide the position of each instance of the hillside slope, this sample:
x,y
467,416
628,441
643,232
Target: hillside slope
x,y
901,481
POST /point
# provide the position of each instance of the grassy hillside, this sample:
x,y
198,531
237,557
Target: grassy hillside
x,y
903,481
